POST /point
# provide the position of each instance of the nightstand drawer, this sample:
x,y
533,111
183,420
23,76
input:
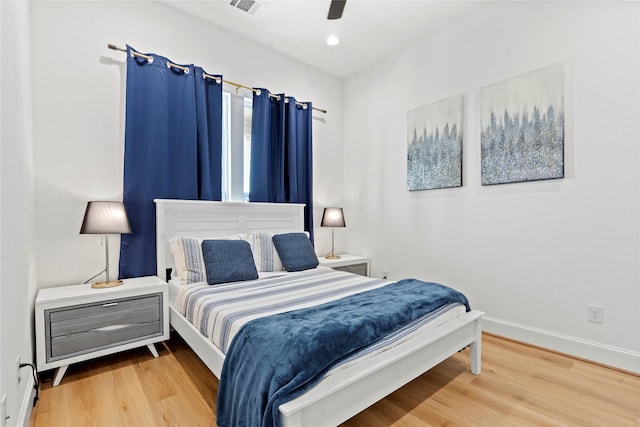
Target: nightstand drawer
x,y
84,328
360,269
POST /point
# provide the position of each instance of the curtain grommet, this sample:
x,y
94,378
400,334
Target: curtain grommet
x,y
149,59
171,65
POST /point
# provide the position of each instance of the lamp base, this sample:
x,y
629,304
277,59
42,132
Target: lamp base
x,y
332,256
111,284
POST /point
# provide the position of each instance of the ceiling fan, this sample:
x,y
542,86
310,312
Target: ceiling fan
x,y
336,8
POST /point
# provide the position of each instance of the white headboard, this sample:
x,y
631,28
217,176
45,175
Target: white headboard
x,y
205,219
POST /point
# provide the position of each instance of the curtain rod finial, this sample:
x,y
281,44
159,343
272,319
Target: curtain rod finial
x,y
114,47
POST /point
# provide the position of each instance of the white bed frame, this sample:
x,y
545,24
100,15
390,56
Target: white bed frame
x,y
337,397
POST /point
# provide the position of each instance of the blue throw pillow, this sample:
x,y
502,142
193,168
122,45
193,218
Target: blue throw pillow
x,y
295,251
228,261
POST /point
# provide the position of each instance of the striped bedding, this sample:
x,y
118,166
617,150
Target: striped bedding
x,y
220,311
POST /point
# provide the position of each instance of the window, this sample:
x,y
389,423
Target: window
x,y
248,114
236,147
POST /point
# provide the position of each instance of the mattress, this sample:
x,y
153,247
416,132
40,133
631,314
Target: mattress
x,y
176,285
219,311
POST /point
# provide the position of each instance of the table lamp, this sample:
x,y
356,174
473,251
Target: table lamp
x,y
332,217
105,218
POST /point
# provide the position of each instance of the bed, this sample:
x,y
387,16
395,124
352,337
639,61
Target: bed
x,y
359,384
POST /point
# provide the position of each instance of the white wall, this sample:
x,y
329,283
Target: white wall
x,y
78,87
17,270
532,255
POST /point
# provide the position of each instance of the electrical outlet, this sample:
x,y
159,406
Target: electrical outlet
x,y
18,368
4,412
385,274
595,314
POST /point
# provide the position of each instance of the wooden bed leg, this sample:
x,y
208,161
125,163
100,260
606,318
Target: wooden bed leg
x,y
476,355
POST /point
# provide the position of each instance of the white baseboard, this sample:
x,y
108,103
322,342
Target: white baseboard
x,y
24,416
616,357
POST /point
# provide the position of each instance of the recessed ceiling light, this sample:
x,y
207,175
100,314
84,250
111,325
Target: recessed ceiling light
x,y
333,40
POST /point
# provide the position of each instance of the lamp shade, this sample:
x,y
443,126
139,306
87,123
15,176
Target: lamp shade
x,y
105,218
332,217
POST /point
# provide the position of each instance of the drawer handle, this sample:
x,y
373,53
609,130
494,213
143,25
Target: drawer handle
x,y
111,304
111,328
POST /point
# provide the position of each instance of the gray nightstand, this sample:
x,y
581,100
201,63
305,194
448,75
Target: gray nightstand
x,y
76,323
351,263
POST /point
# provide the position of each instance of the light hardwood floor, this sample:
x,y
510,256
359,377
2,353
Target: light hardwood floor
x,y
519,386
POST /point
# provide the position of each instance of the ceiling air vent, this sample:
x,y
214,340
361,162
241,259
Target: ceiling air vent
x,y
249,6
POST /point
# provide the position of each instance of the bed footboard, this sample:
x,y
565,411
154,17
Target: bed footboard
x,y
342,395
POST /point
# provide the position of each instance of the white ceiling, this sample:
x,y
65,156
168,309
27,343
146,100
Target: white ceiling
x,y
369,30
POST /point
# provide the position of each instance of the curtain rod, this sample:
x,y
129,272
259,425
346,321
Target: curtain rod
x,y
208,76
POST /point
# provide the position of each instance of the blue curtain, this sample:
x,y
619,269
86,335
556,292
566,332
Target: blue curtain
x,y
209,119
267,148
281,155
299,158
169,151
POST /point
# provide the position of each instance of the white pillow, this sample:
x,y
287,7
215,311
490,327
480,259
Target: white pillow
x,y
188,262
264,253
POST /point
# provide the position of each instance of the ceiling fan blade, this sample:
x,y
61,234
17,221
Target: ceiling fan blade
x,y
336,8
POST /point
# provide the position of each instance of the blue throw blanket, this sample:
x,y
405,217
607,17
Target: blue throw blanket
x,y
275,359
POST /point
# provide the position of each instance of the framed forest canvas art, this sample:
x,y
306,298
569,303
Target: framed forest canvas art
x,y
434,145
522,121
